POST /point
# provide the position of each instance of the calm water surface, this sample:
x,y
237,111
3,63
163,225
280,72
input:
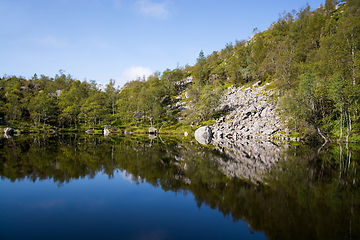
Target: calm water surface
x,y
80,186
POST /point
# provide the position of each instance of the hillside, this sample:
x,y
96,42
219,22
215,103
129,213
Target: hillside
x,y
311,59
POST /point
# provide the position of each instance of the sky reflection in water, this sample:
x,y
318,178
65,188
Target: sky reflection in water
x,y
103,208
133,188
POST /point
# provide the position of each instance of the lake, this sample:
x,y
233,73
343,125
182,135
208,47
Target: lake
x,y
80,186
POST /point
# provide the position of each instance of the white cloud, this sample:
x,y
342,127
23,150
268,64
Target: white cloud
x,y
128,176
132,74
51,41
152,9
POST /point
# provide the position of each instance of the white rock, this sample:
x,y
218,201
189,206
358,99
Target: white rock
x,y
203,135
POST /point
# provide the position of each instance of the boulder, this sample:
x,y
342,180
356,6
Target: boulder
x,y
153,130
152,136
8,132
89,131
221,120
58,92
203,135
256,84
224,108
178,104
106,131
237,122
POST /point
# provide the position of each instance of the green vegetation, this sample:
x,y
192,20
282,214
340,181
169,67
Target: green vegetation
x,y
308,195
312,57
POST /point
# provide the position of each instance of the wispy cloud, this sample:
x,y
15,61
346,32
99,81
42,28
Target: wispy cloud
x,y
133,73
153,9
128,176
50,41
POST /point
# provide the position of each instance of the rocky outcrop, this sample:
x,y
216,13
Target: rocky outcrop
x,y
251,133
181,102
57,93
250,115
203,135
183,84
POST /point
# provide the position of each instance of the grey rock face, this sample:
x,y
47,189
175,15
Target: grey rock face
x,y
250,114
203,135
246,134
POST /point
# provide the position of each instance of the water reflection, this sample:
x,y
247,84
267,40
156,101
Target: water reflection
x,y
307,194
250,159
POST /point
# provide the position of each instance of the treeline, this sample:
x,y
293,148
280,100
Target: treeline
x,y
59,101
312,57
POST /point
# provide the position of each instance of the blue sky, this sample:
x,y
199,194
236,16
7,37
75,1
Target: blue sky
x,y
122,39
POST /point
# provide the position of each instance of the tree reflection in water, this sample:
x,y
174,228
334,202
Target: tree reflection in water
x,y
311,194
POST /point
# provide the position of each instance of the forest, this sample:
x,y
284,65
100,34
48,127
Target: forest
x,y
311,57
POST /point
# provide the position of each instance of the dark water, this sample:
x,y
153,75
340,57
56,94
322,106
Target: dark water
x,y
90,187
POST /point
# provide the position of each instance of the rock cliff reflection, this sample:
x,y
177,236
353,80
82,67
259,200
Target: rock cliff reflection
x,y
303,197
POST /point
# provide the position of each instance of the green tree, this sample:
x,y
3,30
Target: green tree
x,y
169,79
41,108
201,70
111,96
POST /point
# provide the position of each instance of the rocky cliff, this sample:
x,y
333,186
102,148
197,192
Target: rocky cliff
x,y
251,133
251,114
